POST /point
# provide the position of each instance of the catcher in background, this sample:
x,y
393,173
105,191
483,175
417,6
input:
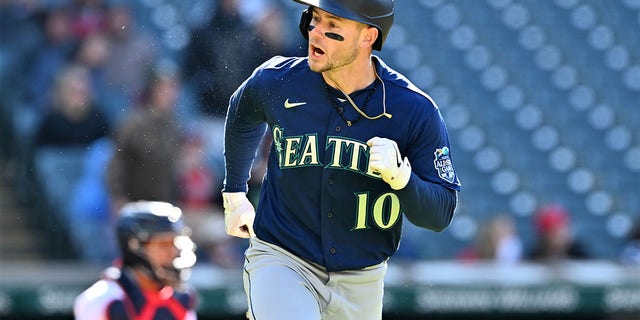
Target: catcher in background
x,y
156,251
356,147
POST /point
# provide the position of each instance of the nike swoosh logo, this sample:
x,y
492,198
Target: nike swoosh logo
x,y
289,105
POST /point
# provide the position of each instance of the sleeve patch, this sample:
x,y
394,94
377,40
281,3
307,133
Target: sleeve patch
x,y
443,165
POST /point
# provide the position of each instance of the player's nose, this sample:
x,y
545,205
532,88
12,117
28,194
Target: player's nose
x,y
315,32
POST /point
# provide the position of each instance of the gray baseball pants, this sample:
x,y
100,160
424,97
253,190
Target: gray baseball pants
x,y
282,286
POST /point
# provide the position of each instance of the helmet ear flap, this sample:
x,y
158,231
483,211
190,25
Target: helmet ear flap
x,y
305,22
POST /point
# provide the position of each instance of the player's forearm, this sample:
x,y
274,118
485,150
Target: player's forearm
x,y
240,145
428,205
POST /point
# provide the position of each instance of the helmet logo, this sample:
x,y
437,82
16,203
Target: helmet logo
x,y
134,244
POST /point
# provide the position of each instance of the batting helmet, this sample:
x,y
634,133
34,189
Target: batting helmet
x,y
376,13
138,223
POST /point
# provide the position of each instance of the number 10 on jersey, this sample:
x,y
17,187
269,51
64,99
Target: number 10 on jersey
x,y
385,210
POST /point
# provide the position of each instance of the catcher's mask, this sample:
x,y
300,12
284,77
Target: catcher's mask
x,y
138,223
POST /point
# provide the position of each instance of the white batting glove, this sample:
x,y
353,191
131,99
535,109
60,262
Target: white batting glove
x,y
238,214
385,159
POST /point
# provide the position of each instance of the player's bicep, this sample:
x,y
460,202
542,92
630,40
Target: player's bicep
x,y
245,107
430,152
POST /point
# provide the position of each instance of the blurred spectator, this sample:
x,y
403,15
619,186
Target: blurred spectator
x,y
72,123
19,39
131,54
197,180
35,76
220,56
497,241
555,241
51,57
90,209
73,118
87,17
147,144
92,53
269,21
20,36
630,254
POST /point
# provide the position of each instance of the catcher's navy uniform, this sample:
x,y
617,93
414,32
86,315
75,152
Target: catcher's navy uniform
x,y
117,297
319,200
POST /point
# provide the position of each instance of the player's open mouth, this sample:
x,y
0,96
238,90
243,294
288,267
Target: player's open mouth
x,y
316,52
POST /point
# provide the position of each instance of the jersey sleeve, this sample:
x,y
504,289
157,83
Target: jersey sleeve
x,y
244,128
430,198
92,304
191,315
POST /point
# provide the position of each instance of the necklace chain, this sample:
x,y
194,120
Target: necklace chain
x,y
353,104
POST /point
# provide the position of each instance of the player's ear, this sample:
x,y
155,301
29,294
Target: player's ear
x,y
370,34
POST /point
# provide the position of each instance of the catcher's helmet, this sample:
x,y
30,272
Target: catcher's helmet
x,y
138,223
376,13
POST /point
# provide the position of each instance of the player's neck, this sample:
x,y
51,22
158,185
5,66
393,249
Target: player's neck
x,y
145,282
352,77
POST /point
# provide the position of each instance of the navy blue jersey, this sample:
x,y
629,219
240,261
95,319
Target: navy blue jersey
x,y
117,296
319,199
166,304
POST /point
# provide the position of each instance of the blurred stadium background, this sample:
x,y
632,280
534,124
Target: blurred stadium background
x,y
542,101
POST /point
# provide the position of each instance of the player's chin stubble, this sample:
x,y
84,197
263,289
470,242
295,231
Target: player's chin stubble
x,y
326,63
316,66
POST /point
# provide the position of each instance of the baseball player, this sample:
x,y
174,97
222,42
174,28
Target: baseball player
x,y
356,147
149,285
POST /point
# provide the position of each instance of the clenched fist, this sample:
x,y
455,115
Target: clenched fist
x,y
385,159
238,214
